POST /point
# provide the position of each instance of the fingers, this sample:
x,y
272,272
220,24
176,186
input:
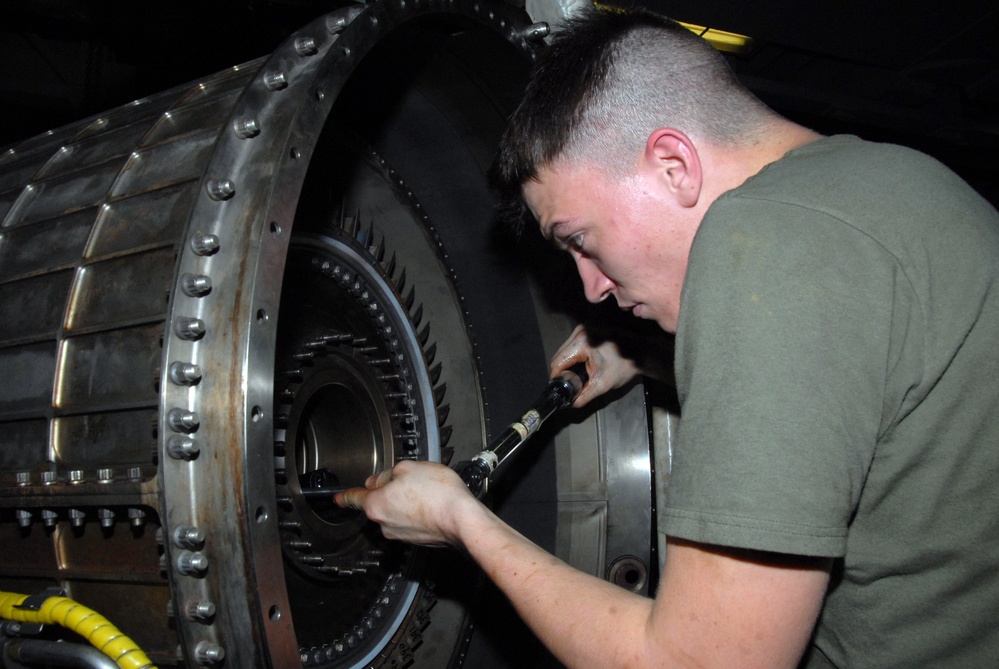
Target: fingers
x,y
574,350
352,498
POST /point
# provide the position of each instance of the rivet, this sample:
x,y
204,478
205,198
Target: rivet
x,y
182,448
189,328
246,128
195,285
306,46
182,420
204,245
185,373
220,189
207,652
275,81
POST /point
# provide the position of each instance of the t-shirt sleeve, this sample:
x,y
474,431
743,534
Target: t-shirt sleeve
x,y
782,346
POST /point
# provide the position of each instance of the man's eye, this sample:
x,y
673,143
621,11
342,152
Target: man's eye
x,y
575,242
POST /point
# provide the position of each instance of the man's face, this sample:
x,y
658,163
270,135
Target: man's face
x,y
629,237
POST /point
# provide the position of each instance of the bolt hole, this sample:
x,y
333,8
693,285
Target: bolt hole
x,y
320,95
256,414
295,153
275,228
262,316
274,613
262,514
632,576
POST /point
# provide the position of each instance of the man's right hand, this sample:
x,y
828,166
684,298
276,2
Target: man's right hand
x,y
606,368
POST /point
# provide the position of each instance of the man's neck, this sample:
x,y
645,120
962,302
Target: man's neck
x,y
731,166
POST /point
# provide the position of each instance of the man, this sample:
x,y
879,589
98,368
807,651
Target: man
x,y
836,305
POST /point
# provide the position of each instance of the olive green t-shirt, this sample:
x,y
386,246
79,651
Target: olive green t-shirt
x,y
838,370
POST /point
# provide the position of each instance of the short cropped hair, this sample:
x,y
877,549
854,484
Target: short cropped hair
x,y
607,80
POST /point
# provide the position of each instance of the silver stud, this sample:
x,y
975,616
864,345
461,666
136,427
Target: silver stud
x,y
191,564
246,128
195,285
220,189
199,610
186,536
306,46
204,245
182,420
207,653
182,448
189,328
185,373
275,81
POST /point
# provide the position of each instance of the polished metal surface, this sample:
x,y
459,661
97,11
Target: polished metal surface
x,y
288,266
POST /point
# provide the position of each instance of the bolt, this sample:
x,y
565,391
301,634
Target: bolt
x,y
105,475
182,448
22,478
106,517
195,285
275,81
137,517
189,328
191,564
207,652
185,373
186,536
23,517
134,474
306,46
77,517
246,128
48,477
204,244
182,420
75,476
298,544
220,189
199,610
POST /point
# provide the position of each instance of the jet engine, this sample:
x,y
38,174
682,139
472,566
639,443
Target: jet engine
x,y
285,275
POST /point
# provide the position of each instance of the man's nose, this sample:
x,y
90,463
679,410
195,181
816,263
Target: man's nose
x,y
596,284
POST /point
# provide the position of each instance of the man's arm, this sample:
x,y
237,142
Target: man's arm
x,y
716,607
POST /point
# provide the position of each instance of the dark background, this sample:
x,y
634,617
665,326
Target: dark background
x,y
918,73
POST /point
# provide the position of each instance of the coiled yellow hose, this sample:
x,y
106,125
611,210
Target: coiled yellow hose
x,y
89,624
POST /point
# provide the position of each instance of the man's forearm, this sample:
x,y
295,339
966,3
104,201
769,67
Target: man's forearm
x,y
583,620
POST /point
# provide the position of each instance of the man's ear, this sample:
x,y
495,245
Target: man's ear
x,y
672,156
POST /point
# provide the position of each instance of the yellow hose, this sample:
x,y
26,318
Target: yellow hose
x,y
89,624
